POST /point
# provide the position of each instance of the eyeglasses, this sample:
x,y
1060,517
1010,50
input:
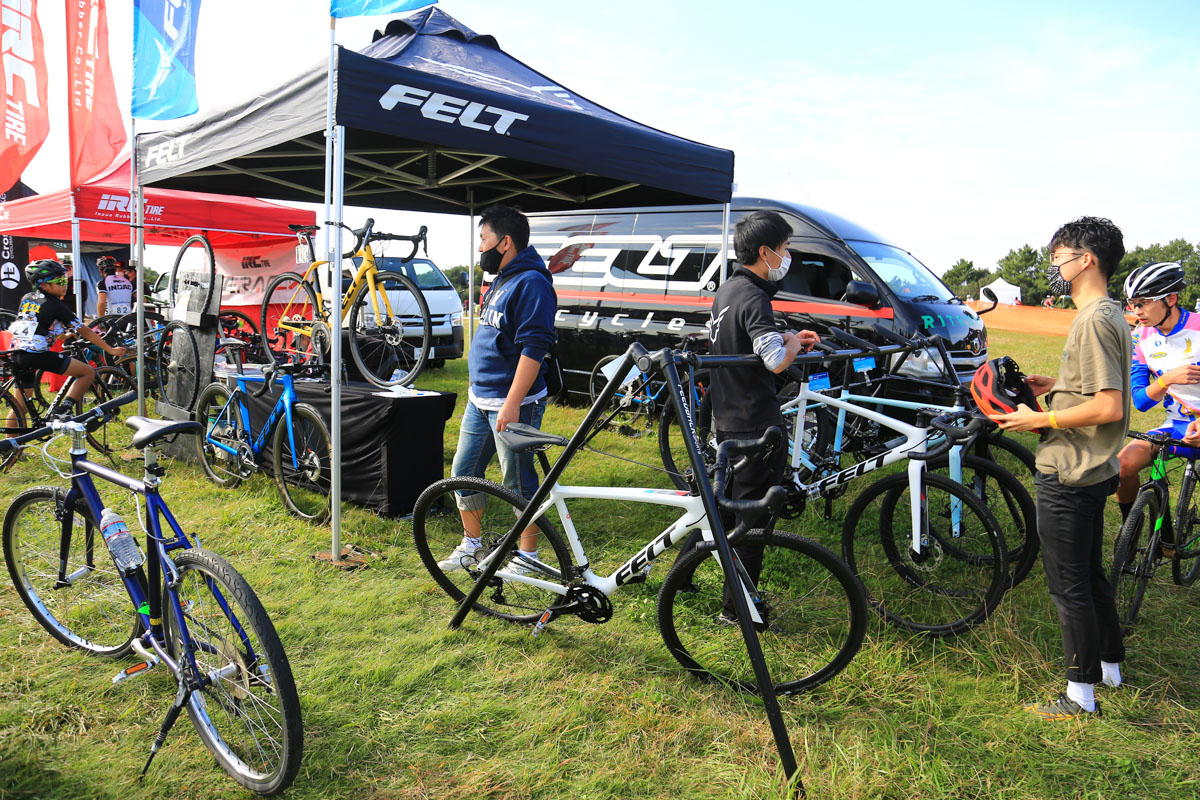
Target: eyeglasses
x,y
61,280
1062,264
1145,301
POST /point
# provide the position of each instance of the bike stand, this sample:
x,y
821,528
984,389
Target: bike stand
x,y
351,558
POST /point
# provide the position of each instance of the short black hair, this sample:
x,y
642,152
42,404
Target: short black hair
x,y
507,221
762,228
1097,235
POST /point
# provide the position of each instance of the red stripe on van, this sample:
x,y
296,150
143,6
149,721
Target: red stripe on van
x,y
830,309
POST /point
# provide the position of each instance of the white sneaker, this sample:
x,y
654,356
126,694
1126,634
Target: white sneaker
x,y
463,556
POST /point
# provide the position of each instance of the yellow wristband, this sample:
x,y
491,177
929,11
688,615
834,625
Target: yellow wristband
x,y
1159,381
1053,420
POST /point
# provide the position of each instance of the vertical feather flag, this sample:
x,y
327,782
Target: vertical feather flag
x,y
26,118
164,58
96,123
363,8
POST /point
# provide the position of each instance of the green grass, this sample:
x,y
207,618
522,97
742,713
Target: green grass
x,y
398,706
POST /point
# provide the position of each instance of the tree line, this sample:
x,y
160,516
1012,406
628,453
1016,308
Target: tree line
x,y
1025,268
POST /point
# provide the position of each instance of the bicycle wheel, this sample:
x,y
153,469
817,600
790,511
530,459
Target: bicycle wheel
x,y
1185,570
222,423
1133,558
194,280
1010,503
12,423
304,464
114,436
391,331
959,576
122,331
247,711
814,615
89,610
178,365
671,446
633,402
438,530
236,325
291,324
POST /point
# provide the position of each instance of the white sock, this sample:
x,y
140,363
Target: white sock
x,y
473,542
1111,674
528,553
1082,693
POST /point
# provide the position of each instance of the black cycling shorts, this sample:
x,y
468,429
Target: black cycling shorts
x,y
28,365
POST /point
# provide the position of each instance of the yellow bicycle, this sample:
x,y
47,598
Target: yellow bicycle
x,y
384,315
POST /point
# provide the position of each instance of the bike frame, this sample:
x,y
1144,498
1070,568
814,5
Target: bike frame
x,y
366,272
257,444
146,598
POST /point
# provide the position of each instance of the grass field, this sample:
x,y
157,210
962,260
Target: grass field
x,y
398,706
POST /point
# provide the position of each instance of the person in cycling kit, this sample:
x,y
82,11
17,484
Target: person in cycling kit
x,y
1166,366
42,317
115,290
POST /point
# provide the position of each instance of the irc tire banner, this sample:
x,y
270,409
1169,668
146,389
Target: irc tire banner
x,y
23,90
249,269
96,124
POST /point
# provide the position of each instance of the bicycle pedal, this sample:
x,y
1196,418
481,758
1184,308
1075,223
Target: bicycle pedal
x,y
543,621
140,668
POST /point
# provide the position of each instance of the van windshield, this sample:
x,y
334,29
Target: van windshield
x,y
421,271
909,278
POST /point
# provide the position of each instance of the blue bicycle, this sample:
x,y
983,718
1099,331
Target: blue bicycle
x,y
177,605
302,455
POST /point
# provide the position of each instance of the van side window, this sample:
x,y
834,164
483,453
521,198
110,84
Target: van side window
x,y
815,275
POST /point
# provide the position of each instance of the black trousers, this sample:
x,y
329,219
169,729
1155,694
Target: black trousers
x,y
1071,527
748,483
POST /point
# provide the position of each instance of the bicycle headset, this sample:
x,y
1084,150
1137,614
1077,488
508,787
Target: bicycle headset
x,y
999,387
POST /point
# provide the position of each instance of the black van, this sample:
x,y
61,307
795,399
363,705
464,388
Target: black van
x,y
650,274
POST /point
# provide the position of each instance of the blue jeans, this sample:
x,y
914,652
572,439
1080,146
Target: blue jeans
x,y
477,443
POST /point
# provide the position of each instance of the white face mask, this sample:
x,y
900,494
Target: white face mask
x,y
778,273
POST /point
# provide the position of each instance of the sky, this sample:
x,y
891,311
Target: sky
x,y
955,129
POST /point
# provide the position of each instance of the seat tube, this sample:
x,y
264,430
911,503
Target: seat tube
x,y
918,503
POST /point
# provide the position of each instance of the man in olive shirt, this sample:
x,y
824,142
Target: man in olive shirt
x,y
1077,465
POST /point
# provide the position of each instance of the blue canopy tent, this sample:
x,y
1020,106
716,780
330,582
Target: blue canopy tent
x,y
430,117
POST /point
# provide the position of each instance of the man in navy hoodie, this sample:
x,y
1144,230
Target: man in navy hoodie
x,y
516,329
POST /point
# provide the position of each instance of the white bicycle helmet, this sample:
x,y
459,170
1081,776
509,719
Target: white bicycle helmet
x,y
1154,281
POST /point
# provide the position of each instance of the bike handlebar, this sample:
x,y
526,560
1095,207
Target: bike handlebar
x,y
751,512
944,424
852,340
92,419
366,234
1159,439
271,371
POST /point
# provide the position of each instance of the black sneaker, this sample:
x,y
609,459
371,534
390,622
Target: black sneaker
x,y
1062,708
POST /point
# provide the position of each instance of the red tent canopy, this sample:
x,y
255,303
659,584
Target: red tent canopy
x,y
102,208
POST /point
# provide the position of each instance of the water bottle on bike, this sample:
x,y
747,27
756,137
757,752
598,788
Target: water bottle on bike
x,y
120,541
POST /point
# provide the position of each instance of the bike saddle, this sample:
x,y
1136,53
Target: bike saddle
x,y
151,430
518,437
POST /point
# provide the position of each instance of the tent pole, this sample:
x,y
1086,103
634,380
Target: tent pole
x,y
76,263
335,317
471,268
329,131
724,243
135,238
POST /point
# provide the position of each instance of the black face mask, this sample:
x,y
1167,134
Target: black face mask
x,y
489,260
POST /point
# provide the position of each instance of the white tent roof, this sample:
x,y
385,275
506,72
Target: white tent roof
x,y
1005,291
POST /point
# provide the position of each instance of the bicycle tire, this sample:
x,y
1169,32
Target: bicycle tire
x,y
1010,503
222,468
390,343
249,717
1133,558
438,529
122,332
814,611
1187,535
12,418
301,310
209,267
114,436
917,593
93,611
305,488
178,365
633,403
236,325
